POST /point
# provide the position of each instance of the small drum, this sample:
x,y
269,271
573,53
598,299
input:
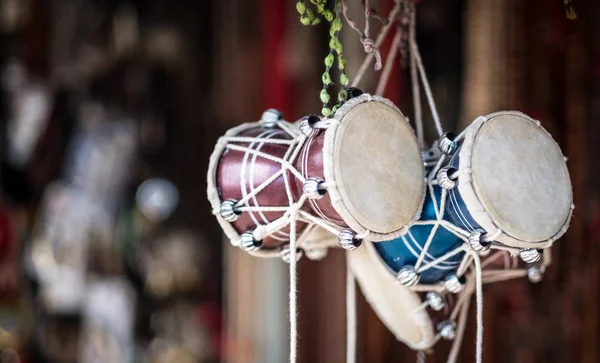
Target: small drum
x,y
360,170
419,318
509,178
249,160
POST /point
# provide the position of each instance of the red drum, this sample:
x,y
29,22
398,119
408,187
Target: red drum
x,y
246,169
363,168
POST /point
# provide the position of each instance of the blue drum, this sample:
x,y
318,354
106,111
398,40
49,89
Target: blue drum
x,y
509,178
405,250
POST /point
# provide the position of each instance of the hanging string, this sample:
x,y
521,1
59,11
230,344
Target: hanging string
x,y
380,38
350,315
293,296
416,90
421,357
365,38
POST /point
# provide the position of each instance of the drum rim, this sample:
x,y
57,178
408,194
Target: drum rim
x,y
419,317
212,190
469,194
329,171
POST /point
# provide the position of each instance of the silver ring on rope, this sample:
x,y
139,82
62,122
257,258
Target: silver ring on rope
x,y
446,143
316,254
228,211
270,118
454,284
408,276
435,300
530,255
348,241
286,254
535,274
477,243
313,188
447,329
307,123
249,243
444,177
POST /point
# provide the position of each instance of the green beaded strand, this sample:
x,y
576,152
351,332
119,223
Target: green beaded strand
x,y
308,17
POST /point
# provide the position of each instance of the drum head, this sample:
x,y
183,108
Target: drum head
x,y
520,177
374,160
396,306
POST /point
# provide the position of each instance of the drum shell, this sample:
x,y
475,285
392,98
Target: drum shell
x,y
405,250
234,165
310,164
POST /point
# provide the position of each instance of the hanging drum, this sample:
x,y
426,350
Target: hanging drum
x,y
509,179
358,173
420,317
366,166
249,182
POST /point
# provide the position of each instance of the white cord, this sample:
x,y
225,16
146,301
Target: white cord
x,y
350,315
416,91
293,296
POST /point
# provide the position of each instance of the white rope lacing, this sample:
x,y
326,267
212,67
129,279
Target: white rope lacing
x,y
471,265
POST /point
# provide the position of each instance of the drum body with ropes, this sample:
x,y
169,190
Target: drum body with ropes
x,y
248,184
367,167
355,175
404,251
510,179
420,316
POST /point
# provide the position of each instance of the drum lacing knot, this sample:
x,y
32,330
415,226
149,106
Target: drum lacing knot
x,y
492,237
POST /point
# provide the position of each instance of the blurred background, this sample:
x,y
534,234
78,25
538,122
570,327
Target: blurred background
x,y
110,109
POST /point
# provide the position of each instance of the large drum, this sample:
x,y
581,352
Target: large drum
x,y
509,179
358,174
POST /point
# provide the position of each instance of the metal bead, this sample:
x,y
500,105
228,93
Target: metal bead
x,y
249,244
443,177
348,241
270,117
477,244
454,284
316,254
530,255
447,144
227,210
535,274
435,300
313,188
306,125
447,329
353,92
408,276
286,254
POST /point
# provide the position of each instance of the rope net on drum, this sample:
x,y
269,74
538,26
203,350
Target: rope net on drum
x,y
473,266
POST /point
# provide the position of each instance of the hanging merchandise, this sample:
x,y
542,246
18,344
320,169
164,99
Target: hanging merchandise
x,y
424,228
477,217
